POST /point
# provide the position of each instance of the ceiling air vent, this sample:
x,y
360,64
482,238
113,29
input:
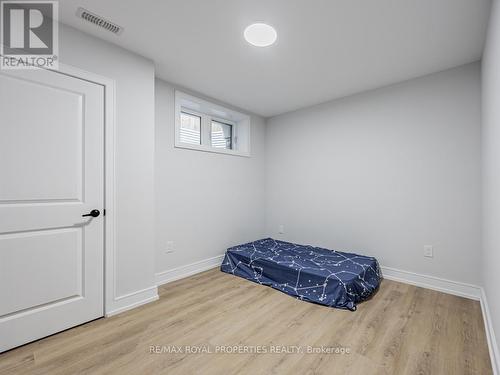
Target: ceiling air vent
x,y
99,21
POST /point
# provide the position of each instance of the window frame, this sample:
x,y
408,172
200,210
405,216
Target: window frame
x,y
239,122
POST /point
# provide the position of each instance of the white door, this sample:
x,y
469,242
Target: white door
x,y
51,173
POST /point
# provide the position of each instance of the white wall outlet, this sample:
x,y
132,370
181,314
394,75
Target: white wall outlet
x,y
428,251
170,247
281,229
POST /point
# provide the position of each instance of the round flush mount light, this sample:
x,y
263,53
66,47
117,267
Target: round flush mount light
x,y
260,34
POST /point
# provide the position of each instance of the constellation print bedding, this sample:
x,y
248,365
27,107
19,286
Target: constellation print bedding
x,y
313,274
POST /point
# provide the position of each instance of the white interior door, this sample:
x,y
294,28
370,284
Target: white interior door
x,y
51,172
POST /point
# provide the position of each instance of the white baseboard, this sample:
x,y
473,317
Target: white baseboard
x,y
132,300
490,334
431,282
188,270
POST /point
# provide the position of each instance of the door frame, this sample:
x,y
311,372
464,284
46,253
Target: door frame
x,y
109,271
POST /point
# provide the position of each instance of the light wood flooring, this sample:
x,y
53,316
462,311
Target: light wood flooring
x,y
401,330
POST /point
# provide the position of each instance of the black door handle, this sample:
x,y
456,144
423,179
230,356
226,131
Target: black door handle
x,y
93,213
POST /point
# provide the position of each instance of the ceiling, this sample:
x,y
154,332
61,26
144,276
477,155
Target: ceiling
x,y
326,49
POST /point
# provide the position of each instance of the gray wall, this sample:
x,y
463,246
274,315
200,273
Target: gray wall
x,y
491,168
205,202
384,173
134,96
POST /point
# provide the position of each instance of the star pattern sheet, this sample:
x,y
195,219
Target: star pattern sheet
x,y
313,274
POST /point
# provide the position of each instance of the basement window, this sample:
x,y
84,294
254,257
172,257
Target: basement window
x,y
204,126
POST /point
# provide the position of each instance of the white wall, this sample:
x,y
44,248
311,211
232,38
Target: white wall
x,y
491,168
384,173
205,202
134,78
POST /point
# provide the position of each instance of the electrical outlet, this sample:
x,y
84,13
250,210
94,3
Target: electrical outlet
x,y
170,247
281,229
428,251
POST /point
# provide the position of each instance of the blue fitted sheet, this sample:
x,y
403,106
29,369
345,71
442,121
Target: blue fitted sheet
x,y
313,274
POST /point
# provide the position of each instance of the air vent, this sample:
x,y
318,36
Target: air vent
x,y
99,21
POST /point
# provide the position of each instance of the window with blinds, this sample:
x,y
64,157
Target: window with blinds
x,y
221,135
204,126
190,131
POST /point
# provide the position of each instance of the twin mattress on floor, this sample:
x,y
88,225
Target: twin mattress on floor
x,y
313,274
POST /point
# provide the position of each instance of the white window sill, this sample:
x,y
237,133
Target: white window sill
x,y
211,149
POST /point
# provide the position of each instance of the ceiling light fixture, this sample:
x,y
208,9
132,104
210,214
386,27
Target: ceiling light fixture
x,y
260,34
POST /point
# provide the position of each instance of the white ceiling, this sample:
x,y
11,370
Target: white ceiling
x,y
326,49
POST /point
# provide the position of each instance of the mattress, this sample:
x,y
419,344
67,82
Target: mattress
x,y
314,274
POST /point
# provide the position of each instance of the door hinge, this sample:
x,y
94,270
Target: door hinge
x,y
104,212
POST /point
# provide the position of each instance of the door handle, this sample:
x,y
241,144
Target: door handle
x,y
93,213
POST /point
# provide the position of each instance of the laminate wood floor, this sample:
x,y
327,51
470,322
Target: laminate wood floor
x,y
401,330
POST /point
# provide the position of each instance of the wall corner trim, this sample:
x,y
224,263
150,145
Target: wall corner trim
x,y
188,270
490,334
